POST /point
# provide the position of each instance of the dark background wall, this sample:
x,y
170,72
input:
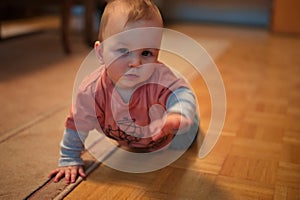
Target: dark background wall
x,y
247,12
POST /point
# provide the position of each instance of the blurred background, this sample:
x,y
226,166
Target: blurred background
x,y
254,43
273,15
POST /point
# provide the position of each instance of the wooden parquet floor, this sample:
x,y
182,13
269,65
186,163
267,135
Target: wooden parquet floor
x,y
258,153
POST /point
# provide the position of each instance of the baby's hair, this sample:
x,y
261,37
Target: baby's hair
x,y
136,9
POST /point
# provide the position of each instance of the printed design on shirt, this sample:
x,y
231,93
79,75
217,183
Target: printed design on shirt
x,y
131,133
129,126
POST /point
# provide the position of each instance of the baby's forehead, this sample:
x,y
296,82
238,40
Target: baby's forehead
x,y
116,26
137,38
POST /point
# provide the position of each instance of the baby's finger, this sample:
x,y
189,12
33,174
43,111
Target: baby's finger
x,y
52,173
73,174
58,176
67,176
81,172
155,127
157,137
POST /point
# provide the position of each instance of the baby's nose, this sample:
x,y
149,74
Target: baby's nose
x,y
134,60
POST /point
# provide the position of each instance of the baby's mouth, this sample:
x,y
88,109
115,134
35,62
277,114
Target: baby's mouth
x,y
131,76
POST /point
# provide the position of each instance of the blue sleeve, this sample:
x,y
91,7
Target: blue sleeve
x,y
182,101
71,147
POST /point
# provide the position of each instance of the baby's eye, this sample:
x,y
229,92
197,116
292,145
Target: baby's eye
x,y
147,53
123,51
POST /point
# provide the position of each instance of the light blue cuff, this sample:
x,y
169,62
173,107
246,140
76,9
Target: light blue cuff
x,y
70,149
182,101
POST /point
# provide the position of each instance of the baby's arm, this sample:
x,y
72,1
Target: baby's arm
x,y
182,101
70,163
181,110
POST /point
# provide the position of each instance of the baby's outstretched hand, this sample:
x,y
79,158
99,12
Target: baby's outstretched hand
x,y
69,172
172,124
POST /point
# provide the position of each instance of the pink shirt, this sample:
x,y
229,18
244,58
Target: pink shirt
x,y
99,106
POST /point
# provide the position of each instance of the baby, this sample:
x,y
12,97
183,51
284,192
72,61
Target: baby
x,y
130,87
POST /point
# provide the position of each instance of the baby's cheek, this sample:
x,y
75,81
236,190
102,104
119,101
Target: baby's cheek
x,y
110,58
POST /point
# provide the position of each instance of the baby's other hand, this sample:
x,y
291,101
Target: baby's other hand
x,y
172,124
69,172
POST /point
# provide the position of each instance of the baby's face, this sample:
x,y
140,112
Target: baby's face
x,y
130,50
131,67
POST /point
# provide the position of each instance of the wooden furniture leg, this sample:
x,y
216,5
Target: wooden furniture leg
x,y
65,25
90,7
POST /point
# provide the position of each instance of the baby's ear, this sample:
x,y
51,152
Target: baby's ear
x,y
99,51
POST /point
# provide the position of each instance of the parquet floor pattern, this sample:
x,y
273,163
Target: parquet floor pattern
x,y
258,153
